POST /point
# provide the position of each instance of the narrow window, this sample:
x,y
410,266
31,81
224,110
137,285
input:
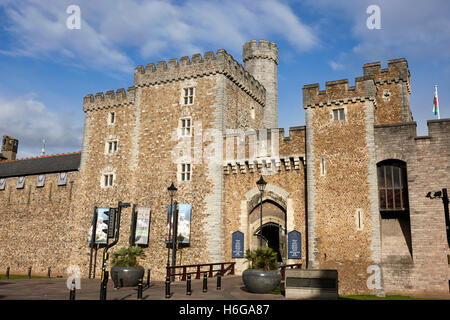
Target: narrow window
x,y
188,95
112,118
112,146
322,166
359,221
185,172
108,180
339,114
186,127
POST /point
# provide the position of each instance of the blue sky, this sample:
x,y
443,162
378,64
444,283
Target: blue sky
x,y
46,69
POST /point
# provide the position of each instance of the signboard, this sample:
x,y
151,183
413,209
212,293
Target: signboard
x,y
100,236
142,225
237,245
62,179
20,182
40,181
2,184
294,245
184,223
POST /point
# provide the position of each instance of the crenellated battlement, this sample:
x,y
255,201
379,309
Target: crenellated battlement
x,y
338,91
262,49
198,66
109,99
397,70
265,149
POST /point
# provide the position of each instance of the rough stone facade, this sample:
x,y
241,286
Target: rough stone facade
x,y
321,179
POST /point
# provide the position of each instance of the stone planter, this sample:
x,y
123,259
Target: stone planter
x,y
261,281
126,276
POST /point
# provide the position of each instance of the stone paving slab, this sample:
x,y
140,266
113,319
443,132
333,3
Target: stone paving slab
x,y
56,289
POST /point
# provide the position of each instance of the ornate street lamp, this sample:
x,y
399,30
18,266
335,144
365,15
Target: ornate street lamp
x,y
261,186
172,190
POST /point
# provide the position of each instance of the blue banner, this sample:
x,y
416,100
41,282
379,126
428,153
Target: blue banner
x,y
237,245
294,245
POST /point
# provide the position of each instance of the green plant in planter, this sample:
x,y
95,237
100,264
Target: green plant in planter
x,y
127,257
262,259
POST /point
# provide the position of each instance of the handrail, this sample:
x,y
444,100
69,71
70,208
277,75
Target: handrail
x,y
171,270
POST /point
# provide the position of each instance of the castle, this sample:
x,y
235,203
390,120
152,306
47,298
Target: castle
x,y
352,182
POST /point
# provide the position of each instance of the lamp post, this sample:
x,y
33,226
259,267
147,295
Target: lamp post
x,y
261,186
442,194
172,190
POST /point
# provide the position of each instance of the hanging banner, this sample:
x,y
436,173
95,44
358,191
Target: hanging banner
x,y
62,179
20,183
2,184
100,236
237,245
142,225
294,245
184,223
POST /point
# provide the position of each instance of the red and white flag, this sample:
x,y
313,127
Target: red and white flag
x,y
436,103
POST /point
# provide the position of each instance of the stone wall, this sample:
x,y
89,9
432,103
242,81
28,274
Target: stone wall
x,y
427,170
34,225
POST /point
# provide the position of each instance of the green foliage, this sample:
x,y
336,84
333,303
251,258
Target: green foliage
x,y
262,259
127,257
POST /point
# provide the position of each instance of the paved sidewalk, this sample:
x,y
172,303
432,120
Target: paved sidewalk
x,y
56,289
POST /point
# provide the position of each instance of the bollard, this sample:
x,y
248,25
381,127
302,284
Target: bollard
x,y
205,282
167,287
148,278
219,281
72,291
48,272
29,272
188,285
139,291
7,273
104,286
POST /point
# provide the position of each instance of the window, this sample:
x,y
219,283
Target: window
x,y
62,179
322,166
339,114
185,172
359,220
40,181
2,184
111,118
108,180
185,127
112,146
188,95
392,186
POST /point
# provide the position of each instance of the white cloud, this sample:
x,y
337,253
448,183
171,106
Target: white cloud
x,y
30,121
335,66
112,30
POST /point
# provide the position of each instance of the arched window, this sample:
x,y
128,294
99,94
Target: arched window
x,y
392,186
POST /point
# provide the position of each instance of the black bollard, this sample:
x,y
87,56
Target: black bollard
x,y
148,278
167,287
219,281
48,272
72,291
188,285
7,273
139,291
205,282
29,272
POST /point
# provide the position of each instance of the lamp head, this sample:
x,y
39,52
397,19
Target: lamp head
x,y
172,190
261,184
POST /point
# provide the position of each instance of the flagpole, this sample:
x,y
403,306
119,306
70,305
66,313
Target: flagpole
x,y
437,100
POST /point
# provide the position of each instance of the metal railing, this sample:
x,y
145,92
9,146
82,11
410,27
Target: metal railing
x,y
198,269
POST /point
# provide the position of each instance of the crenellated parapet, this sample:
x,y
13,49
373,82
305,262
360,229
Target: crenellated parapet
x,y
109,99
339,92
198,66
265,151
263,50
397,71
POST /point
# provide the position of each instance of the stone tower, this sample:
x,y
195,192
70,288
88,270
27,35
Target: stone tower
x,y
9,147
261,60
